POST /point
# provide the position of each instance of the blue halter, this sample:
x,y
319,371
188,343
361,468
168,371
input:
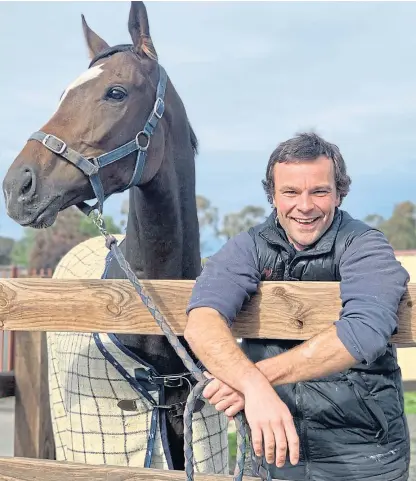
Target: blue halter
x,y
91,166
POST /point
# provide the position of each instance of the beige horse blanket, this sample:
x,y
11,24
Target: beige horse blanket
x,y
90,373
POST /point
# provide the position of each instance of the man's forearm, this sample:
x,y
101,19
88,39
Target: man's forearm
x,y
212,342
322,355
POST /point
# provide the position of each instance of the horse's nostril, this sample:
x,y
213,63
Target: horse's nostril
x,y
28,185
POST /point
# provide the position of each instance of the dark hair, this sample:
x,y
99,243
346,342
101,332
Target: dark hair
x,y
307,146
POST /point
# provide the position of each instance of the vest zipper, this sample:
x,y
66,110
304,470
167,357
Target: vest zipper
x,y
303,441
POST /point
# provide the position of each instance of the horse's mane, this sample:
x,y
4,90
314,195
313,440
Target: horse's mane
x,y
194,139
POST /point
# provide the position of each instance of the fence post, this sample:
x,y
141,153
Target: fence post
x,y
33,435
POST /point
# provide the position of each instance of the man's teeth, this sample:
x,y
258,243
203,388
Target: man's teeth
x,y
303,221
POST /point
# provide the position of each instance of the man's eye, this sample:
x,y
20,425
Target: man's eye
x,y
116,93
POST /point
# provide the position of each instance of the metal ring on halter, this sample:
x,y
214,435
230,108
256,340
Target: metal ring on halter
x,y
143,148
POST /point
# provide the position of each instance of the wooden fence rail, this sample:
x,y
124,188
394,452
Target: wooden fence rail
x,y
21,469
285,310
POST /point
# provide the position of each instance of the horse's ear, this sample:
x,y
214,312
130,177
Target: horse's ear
x,y
95,43
139,30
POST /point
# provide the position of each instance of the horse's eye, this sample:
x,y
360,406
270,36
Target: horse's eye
x,y
116,93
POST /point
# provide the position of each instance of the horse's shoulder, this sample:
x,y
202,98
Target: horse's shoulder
x,y
84,261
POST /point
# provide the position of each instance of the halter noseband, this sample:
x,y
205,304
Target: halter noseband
x,y
91,166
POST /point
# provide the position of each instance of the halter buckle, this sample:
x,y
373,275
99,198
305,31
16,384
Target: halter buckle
x,y
159,108
55,145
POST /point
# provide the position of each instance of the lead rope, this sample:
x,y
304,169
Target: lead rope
x,y
242,428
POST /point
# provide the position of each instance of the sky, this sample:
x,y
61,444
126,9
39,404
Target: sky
x,y
251,74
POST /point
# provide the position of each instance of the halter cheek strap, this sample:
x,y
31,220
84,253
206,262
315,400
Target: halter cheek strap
x,y
90,167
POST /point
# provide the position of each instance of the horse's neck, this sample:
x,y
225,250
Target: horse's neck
x,y
162,237
162,242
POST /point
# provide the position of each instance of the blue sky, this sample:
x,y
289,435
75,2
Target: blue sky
x,y
251,74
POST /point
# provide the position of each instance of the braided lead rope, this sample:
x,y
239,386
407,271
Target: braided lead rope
x,y
240,421
241,427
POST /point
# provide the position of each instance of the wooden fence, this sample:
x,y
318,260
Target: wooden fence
x,y
287,310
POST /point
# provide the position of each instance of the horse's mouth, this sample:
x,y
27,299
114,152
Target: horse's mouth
x,y
44,216
46,213
41,220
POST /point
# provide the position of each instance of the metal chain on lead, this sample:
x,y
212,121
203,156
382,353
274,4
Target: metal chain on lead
x,y
260,469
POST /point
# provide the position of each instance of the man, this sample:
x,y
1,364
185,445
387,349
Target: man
x,y
330,408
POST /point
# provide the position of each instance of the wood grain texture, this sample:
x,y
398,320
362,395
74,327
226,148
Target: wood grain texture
x,y
21,469
33,426
286,310
6,384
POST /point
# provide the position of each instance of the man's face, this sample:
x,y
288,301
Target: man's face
x,y
305,197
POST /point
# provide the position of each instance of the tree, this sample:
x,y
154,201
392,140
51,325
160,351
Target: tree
x,y
400,228
214,229
242,221
44,248
89,229
21,248
124,212
374,220
6,248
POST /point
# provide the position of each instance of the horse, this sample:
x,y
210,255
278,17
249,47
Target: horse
x,y
121,125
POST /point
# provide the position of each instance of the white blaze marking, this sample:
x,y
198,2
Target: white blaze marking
x,y
89,74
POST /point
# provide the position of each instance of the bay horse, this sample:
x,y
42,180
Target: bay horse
x,y
120,125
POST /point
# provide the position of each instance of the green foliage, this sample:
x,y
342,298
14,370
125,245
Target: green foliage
x,y
242,221
22,248
400,228
89,229
230,225
410,402
6,247
207,213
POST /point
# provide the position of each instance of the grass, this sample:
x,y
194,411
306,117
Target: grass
x,y
409,408
410,402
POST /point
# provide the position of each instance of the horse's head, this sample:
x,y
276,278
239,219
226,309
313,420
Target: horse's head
x,y
115,104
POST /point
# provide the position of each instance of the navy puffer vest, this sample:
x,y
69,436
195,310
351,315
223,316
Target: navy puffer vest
x,y
351,425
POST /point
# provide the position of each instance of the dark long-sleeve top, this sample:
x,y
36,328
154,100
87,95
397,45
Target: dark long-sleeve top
x,y
371,287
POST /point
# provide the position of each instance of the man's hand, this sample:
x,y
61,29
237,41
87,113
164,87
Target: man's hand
x,y
271,424
223,397
269,418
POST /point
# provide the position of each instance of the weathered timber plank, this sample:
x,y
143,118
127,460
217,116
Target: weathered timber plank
x,y
6,384
21,469
33,436
287,310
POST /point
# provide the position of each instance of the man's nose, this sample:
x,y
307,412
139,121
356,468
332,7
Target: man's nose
x,y
305,202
